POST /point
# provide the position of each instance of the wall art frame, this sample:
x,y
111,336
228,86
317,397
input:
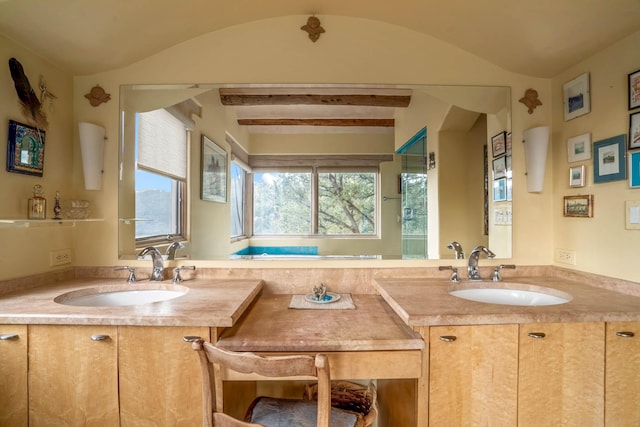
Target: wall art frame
x,y
634,90
580,206
213,172
576,176
634,169
579,148
500,190
500,167
576,97
499,144
25,149
609,159
634,130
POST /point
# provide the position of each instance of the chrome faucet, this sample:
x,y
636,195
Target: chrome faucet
x,y
457,248
472,269
171,250
158,263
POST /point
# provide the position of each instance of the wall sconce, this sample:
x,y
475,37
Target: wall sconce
x,y
92,139
536,141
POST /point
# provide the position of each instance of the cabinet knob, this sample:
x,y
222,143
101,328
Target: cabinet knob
x,y
448,338
7,337
625,334
99,337
191,338
537,335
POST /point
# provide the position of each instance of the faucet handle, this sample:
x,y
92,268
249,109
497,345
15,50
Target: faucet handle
x,y
132,273
454,272
176,272
496,271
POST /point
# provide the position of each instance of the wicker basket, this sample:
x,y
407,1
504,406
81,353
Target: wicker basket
x,y
352,397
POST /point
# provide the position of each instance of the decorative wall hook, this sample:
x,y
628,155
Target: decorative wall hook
x,y
314,28
97,96
530,99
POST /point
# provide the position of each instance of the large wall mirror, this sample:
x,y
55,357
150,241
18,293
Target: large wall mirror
x,y
225,171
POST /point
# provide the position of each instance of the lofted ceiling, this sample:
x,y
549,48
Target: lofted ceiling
x,y
538,38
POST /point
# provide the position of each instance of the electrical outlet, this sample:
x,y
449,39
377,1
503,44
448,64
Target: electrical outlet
x,y
59,257
564,256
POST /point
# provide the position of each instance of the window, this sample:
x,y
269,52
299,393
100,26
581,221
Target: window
x,y
237,199
161,171
315,202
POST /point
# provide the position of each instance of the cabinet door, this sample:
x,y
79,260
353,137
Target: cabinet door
x,y
160,378
561,375
13,376
473,375
622,381
73,376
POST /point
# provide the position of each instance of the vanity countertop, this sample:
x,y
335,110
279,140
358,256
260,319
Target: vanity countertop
x,y
426,302
218,303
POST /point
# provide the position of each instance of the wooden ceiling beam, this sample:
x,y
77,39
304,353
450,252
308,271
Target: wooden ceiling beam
x,y
229,98
318,122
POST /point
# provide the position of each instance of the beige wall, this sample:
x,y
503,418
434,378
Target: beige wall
x,y
602,244
352,50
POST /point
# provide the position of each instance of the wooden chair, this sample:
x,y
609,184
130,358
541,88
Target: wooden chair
x,y
267,411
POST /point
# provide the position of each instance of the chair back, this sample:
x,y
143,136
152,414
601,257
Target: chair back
x,y
213,359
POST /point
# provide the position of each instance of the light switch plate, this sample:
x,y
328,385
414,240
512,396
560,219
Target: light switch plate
x,y
632,214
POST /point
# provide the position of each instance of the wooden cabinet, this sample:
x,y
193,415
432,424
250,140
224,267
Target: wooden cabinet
x,y
73,376
13,376
160,378
473,375
622,381
561,374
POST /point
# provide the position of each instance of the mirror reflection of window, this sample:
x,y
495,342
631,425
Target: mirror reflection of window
x,y
160,179
237,199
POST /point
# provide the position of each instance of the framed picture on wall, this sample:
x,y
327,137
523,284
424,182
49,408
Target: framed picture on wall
x,y
213,169
579,148
500,167
25,149
634,131
576,176
499,144
578,206
608,160
577,99
500,190
634,90
634,169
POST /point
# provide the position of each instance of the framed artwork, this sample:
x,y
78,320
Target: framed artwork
x,y
509,143
499,144
500,167
576,100
634,90
213,168
634,169
576,176
634,130
509,189
25,149
579,148
608,160
500,190
578,206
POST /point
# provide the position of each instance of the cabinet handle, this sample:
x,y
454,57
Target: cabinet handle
x,y
7,337
99,337
191,338
536,335
448,338
625,334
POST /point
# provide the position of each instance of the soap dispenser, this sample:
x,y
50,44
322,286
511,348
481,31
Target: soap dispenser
x,y
37,204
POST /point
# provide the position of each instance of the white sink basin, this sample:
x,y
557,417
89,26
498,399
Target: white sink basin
x,y
513,294
110,296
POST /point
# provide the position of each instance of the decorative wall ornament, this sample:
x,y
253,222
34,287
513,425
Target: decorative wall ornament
x,y
31,106
97,96
530,100
314,28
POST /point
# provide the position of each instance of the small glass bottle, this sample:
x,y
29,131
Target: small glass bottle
x,y
56,208
37,204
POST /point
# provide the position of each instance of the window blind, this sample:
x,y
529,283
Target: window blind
x,y
162,144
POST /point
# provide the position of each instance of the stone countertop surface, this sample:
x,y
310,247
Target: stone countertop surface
x,y
269,325
213,303
426,302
